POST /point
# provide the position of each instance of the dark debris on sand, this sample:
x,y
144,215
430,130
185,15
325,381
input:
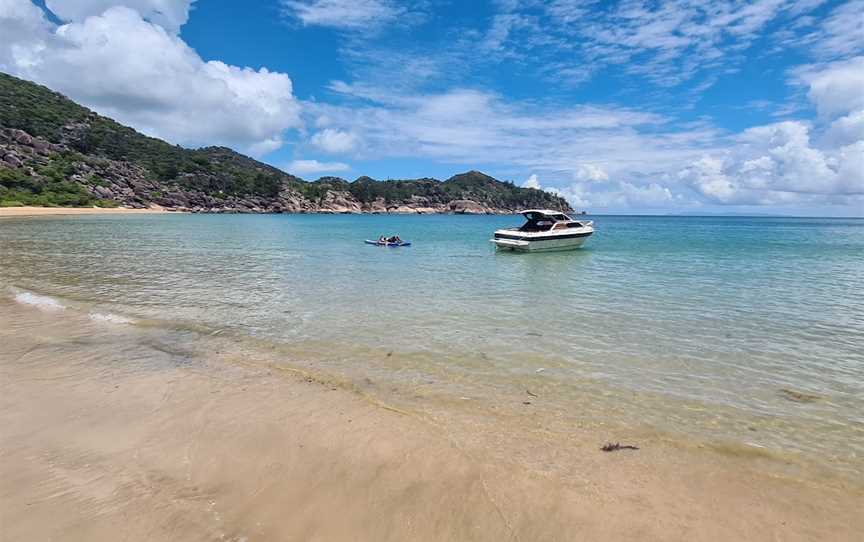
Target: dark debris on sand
x,y
609,447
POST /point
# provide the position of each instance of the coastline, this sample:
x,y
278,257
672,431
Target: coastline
x,y
15,212
29,212
122,429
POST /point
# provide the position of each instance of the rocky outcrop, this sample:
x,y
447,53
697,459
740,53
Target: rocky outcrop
x,y
339,202
468,207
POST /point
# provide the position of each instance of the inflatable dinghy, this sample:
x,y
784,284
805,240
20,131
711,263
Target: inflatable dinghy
x,y
380,244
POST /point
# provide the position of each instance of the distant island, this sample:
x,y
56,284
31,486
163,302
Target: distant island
x,y
54,152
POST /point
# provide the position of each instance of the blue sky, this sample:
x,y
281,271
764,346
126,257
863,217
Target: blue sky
x,y
631,106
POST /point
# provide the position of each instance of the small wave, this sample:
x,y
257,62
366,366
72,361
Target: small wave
x,y
41,301
110,318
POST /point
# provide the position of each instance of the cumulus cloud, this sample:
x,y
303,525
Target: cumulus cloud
x,y
23,29
591,190
590,172
577,194
837,88
169,14
617,195
143,75
846,130
532,182
333,141
265,146
344,14
305,167
795,162
650,195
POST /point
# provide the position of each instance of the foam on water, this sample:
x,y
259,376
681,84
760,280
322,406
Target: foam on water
x,y
111,318
53,304
41,301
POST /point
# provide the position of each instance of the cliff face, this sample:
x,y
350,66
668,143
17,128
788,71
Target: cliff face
x,y
56,152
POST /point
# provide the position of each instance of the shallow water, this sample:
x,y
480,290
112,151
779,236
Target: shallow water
x,y
742,332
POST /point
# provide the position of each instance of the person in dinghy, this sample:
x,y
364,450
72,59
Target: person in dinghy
x,y
393,240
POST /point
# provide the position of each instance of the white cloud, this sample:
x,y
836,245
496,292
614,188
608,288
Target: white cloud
x,y
23,30
846,130
304,167
169,14
265,146
335,141
590,172
142,75
577,194
591,191
708,177
503,26
617,196
344,14
775,164
842,32
836,88
471,127
532,182
793,161
650,195
668,41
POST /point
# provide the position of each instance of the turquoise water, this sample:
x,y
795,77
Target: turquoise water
x,y
747,330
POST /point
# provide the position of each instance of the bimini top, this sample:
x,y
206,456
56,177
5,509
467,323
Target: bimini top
x,y
541,214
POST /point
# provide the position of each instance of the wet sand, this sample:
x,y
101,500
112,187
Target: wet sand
x,y
72,211
112,432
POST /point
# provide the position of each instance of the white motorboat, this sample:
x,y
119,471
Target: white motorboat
x,y
544,230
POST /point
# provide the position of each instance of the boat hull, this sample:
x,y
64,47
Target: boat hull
x,y
540,245
379,244
544,231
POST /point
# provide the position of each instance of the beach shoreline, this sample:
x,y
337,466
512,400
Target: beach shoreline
x,y
26,212
113,429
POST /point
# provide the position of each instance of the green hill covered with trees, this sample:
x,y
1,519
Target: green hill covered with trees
x,y
56,152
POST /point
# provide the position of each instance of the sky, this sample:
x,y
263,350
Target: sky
x,y
665,106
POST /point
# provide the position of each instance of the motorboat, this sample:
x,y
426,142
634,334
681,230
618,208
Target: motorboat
x,y
544,230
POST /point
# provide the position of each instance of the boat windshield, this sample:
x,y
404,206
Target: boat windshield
x,y
542,224
542,221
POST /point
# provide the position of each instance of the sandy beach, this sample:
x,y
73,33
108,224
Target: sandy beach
x,y
12,212
112,432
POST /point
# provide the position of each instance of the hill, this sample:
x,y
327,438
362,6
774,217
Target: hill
x,y
54,152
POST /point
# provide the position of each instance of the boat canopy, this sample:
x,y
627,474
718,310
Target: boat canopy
x,y
538,215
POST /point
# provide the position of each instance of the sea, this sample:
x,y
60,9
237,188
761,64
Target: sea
x,y
744,335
